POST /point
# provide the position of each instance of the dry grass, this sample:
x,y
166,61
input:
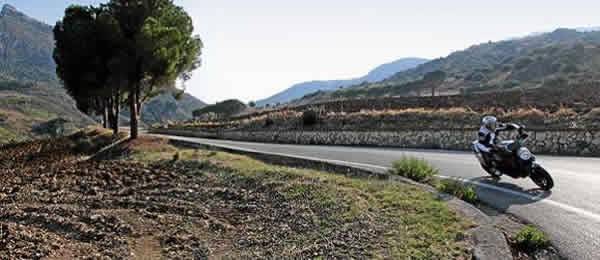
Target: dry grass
x,y
285,119
526,113
564,112
363,218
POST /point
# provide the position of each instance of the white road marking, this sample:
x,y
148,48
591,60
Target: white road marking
x,y
563,206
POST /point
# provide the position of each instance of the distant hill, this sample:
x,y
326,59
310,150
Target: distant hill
x,y
166,107
223,109
380,73
26,47
550,59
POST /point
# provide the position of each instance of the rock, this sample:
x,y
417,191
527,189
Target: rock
x,y
545,255
490,244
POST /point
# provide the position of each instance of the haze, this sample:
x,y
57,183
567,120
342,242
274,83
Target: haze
x,y
254,49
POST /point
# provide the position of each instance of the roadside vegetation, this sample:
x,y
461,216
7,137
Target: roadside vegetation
x,y
458,189
421,171
415,169
525,243
530,239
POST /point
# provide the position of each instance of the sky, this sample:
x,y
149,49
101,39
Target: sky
x,y
254,49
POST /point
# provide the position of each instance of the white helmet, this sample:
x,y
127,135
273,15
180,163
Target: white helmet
x,y
490,122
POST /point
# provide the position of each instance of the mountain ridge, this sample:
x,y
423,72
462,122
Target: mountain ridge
x,y
558,58
305,88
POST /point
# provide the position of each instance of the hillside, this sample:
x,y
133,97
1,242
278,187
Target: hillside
x,y
167,107
25,108
302,89
26,47
30,101
558,58
221,110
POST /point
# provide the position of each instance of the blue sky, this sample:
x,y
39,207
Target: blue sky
x,y
257,48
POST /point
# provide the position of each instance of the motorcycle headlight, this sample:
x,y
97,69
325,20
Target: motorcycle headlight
x,y
524,154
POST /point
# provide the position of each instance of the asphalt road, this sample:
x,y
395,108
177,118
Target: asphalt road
x,y
569,214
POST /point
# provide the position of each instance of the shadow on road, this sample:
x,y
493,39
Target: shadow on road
x,y
502,200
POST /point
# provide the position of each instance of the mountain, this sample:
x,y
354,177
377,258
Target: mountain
x,y
29,97
557,58
167,107
26,47
302,89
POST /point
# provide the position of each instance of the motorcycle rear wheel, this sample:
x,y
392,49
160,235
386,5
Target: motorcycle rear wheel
x,y
542,178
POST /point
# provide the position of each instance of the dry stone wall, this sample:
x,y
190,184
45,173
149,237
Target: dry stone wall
x,y
564,142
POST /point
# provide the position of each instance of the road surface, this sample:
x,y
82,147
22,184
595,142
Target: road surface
x,y
569,214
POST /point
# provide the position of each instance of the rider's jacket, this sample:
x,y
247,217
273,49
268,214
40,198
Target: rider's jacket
x,y
486,139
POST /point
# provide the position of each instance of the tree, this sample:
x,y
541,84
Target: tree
x,y
83,50
132,48
252,104
160,48
434,79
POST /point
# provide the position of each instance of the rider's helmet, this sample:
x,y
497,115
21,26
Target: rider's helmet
x,y
490,122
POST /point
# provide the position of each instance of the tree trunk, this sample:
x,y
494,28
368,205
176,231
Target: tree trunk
x,y
105,108
433,103
117,111
138,100
133,112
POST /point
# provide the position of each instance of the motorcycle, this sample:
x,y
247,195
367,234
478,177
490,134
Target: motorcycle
x,y
515,160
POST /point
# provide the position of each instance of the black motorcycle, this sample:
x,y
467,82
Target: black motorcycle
x,y
514,159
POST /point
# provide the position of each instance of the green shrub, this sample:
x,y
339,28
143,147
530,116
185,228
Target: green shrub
x,y
531,239
459,190
415,169
310,118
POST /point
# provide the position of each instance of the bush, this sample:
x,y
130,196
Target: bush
x,y
310,118
459,190
531,239
269,122
415,169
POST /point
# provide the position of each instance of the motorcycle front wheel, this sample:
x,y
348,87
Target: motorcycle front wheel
x,y
542,178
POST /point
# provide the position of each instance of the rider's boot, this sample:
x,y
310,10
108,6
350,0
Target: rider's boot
x,y
497,174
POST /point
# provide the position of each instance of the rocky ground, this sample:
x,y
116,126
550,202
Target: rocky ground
x,y
165,204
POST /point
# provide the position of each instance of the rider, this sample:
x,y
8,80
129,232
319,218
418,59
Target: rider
x,y
487,140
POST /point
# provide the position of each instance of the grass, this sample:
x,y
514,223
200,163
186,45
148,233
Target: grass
x,y
459,190
421,171
531,239
6,135
415,169
409,223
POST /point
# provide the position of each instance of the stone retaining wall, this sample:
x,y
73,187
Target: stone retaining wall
x,y
575,142
548,99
